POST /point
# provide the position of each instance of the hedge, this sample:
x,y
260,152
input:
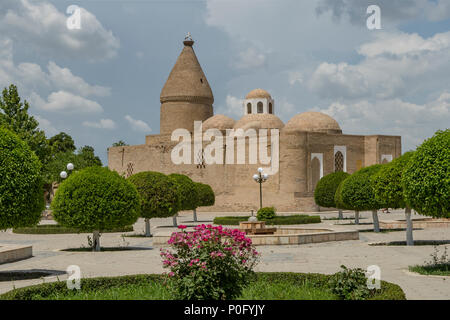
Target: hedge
x,y
186,191
58,229
326,189
388,291
206,196
278,220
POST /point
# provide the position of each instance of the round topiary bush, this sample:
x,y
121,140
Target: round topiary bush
x,y
325,191
158,194
387,187
96,199
21,186
426,179
266,213
187,192
206,196
357,192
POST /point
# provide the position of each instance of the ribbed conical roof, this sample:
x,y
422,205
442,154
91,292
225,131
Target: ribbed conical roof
x,y
186,81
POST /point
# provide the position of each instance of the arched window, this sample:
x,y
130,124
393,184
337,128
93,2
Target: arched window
x,y
260,107
249,107
338,162
270,108
315,171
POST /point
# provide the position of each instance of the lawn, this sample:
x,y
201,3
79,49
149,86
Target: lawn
x,y
278,220
58,229
432,270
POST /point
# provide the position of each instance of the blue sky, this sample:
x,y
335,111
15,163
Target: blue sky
x,y
101,83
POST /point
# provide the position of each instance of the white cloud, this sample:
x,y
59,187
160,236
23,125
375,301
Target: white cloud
x,y
295,77
46,125
41,26
102,124
250,58
138,125
66,102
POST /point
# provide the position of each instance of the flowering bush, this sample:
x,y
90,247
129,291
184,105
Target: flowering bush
x,y
209,262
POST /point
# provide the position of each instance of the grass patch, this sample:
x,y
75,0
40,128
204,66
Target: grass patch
x,y
104,249
266,285
27,274
386,230
416,243
58,229
432,270
278,220
345,218
137,235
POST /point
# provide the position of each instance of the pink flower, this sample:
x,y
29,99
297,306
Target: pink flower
x,y
182,226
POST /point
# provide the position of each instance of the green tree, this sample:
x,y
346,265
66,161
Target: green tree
x,y
61,142
87,153
206,197
14,116
21,192
158,196
357,192
340,203
96,199
186,191
387,186
426,179
119,143
325,190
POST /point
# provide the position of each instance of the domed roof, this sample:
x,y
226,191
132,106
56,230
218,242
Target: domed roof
x,y
219,121
313,121
258,93
259,121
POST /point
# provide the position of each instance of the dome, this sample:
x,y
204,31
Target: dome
x,y
219,121
259,121
314,122
258,93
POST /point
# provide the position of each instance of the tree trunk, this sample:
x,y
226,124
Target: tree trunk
x,y
409,227
96,241
195,215
356,217
376,224
340,216
147,227
175,220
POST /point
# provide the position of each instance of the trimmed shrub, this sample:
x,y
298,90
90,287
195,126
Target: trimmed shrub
x,y
21,186
206,196
278,220
57,229
325,191
426,179
158,196
266,213
350,284
186,191
96,199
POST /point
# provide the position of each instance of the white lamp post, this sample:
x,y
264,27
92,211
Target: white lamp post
x,y
260,177
65,174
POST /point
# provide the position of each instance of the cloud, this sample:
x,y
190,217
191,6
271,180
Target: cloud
x,y
138,125
41,26
66,102
46,125
249,59
102,124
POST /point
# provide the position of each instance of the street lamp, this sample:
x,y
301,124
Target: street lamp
x,y
64,174
260,177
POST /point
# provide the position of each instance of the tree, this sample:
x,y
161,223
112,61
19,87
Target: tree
x,y
21,192
186,191
340,203
61,142
14,116
158,196
326,190
96,199
387,186
87,153
426,179
357,192
119,143
206,197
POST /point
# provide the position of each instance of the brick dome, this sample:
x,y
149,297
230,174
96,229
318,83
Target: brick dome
x,y
219,121
314,122
258,93
259,121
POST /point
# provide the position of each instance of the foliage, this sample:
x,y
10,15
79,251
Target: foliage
x,y
119,143
93,288
96,198
266,213
158,195
87,153
206,196
426,179
350,284
387,183
325,190
21,193
62,142
187,191
338,198
357,190
278,220
57,229
209,263
439,265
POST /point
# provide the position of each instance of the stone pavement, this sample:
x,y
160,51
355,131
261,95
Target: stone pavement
x,y
319,257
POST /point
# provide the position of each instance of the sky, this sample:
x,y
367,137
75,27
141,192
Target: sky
x,y
101,83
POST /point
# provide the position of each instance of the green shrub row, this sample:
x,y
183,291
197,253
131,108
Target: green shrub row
x,y
58,229
278,220
388,291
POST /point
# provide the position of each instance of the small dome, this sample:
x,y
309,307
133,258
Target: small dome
x,y
258,93
259,121
314,122
219,121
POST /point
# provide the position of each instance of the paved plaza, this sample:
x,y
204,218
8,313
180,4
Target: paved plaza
x,y
319,258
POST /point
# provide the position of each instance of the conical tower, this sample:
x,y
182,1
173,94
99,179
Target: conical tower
x,y
186,96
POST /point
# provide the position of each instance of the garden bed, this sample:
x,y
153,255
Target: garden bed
x,y
265,286
432,270
58,229
278,220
